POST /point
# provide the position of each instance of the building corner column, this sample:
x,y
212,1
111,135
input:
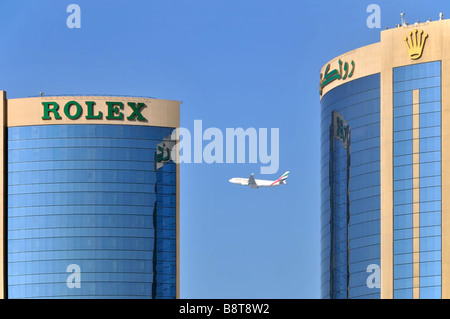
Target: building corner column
x,y
386,179
445,177
3,206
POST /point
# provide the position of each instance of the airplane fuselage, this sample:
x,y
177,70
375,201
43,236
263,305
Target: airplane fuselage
x,y
259,182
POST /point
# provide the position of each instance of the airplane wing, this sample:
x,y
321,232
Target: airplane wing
x,y
251,181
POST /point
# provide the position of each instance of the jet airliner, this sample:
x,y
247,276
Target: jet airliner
x,y
257,183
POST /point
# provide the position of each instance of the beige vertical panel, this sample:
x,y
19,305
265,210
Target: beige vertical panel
x,y
2,192
416,194
445,163
386,178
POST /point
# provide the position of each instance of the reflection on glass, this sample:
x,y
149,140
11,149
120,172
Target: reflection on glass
x,y
89,195
356,243
426,78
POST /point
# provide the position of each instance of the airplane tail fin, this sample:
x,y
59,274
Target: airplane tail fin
x,y
251,181
284,177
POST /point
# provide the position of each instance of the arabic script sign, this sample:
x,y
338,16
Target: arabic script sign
x,y
342,73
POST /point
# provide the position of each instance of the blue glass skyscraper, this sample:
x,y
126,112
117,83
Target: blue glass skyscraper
x,y
89,213
385,146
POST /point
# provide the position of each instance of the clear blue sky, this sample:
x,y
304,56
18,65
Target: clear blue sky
x,y
233,63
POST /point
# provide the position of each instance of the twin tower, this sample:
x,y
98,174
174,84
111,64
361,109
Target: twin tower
x,y
89,207
385,167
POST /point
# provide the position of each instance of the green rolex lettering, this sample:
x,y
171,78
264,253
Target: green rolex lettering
x,y
137,109
47,110
77,113
90,115
114,111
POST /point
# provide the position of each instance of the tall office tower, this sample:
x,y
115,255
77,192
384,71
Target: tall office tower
x,y
90,198
385,143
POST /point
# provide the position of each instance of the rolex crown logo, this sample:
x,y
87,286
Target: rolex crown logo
x,y
415,43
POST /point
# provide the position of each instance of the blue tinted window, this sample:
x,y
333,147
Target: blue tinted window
x,y
351,225
90,195
426,78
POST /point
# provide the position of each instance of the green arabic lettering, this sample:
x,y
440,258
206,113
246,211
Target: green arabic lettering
x,y
353,69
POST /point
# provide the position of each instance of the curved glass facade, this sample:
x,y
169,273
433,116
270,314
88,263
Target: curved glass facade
x,y
417,180
350,189
90,195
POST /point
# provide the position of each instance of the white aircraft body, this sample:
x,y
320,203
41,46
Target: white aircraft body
x,y
257,183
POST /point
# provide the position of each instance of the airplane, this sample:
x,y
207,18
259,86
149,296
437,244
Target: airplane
x,y
257,183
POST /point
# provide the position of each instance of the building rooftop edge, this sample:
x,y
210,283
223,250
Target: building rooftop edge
x,y
61,96
407,26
